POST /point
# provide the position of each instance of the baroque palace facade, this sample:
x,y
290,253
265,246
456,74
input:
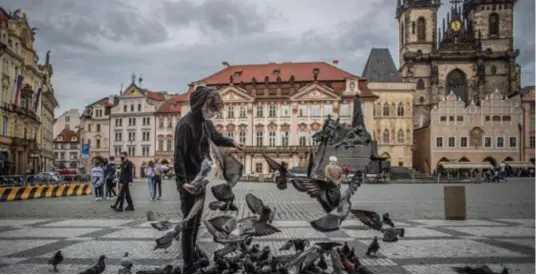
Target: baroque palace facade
x,y
27,99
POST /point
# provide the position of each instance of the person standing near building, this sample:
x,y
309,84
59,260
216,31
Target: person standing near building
x,y
97,180
502,171
109,175
125,182
191,147
157,180
149,173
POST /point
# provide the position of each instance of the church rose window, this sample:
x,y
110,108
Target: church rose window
x,y
457,83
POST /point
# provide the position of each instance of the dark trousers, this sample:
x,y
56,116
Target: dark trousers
x,y
189,231
110,188
124,193
99,191
157,183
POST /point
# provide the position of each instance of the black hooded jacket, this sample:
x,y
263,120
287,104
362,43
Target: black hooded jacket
x,y
191,144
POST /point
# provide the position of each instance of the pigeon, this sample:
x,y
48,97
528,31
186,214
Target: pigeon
x,y
249,267
232,171
300,262
262,255
158,225
373,221
97,268
298,244
56,260
333,220
166,270
387,220
484,269
256,205
336,262
226,229
327,193
284,174
373,247
322,264
200,181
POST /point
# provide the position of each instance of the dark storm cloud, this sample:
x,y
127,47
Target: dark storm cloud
x,y
524,39
230,18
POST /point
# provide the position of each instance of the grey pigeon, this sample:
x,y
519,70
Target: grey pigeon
x,y
483,269
232,171
299,245
325,192
97,268
300,262
56,260
373,247
336,262
226,229
373,221
256,205
333,220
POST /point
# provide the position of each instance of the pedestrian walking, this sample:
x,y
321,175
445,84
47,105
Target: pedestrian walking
x,y
191,146
149,173
97,180
109,175
125,182
502,173
157,179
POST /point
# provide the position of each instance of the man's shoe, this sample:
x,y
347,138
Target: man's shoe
x,y
113,206
129,209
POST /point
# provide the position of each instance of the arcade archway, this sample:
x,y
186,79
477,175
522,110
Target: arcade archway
x,y
491,160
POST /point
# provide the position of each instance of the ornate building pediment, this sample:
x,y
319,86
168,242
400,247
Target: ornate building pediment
x,y
315,92
235,94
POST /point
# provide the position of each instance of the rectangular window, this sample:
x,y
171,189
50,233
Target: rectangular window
x,y
459,118
272,111
131,150
452,142
285,110
487,142
302,141
230,111
243,112
89,127
161,122
98,128
161,145
284,139
139,107
145,150
242,137
271,138
97,145
315,110
258,167
260,112
463,142
125,108
344,110
259,139
532,142
67,119
439,142
132,107
500,142
302,111
328,109
169,145
513,142
117,150
442,118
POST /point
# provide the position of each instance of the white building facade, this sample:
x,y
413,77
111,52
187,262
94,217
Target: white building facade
x,y
70,120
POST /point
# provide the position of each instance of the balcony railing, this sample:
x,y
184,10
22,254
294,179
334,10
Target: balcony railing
x,y
9,107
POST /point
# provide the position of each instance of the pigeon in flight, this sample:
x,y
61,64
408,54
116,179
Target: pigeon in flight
x,y
284,174
97,268
56,260
484,269
256,205
226,229
333,220
373,221
232,171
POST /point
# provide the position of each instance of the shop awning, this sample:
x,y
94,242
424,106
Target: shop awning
x,y
466,165
520,164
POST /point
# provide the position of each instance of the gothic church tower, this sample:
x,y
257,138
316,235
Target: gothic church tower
x,y
470,54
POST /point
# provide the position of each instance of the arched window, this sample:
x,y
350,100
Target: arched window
x,y
385,109
457,83
401,34
400,109
420,84
493,24
385,137
421,29
400,136
421,99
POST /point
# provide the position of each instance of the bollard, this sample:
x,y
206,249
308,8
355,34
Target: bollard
x,y
455,202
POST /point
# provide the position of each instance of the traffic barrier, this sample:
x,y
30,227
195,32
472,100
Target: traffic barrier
x,y
44,191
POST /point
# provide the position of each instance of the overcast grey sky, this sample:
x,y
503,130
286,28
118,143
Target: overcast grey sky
x,y
98,44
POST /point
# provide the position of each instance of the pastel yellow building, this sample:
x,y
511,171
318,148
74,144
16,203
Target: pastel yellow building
x,y
393,110
24,84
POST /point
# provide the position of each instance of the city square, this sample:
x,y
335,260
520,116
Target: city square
x,y
499,228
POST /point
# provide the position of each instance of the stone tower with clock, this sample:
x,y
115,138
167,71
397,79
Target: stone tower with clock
x,y
471,53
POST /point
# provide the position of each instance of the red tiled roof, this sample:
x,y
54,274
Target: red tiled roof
x,y
3,16
67,135
159,96
300,71
173,105
106,101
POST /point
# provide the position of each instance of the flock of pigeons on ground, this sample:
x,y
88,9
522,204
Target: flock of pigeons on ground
x,y
239,255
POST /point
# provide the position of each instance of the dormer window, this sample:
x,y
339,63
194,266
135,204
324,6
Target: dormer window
x,y
237,73
73,139
352,86
60,138
276,72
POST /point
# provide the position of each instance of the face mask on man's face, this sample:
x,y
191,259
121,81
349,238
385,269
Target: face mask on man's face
x,y
212,106
208,114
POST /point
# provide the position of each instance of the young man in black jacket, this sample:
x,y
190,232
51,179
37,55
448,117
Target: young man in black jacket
x,y
125,182
191,147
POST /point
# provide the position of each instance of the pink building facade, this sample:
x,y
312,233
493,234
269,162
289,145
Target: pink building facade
x,y
490,132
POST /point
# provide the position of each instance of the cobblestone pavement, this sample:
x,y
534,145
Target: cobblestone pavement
x,y
430,245
514,199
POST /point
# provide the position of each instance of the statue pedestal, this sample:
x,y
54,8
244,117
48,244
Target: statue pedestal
x,y
357,158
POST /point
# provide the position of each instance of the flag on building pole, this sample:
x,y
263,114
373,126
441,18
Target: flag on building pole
x,y
16,89
37,97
